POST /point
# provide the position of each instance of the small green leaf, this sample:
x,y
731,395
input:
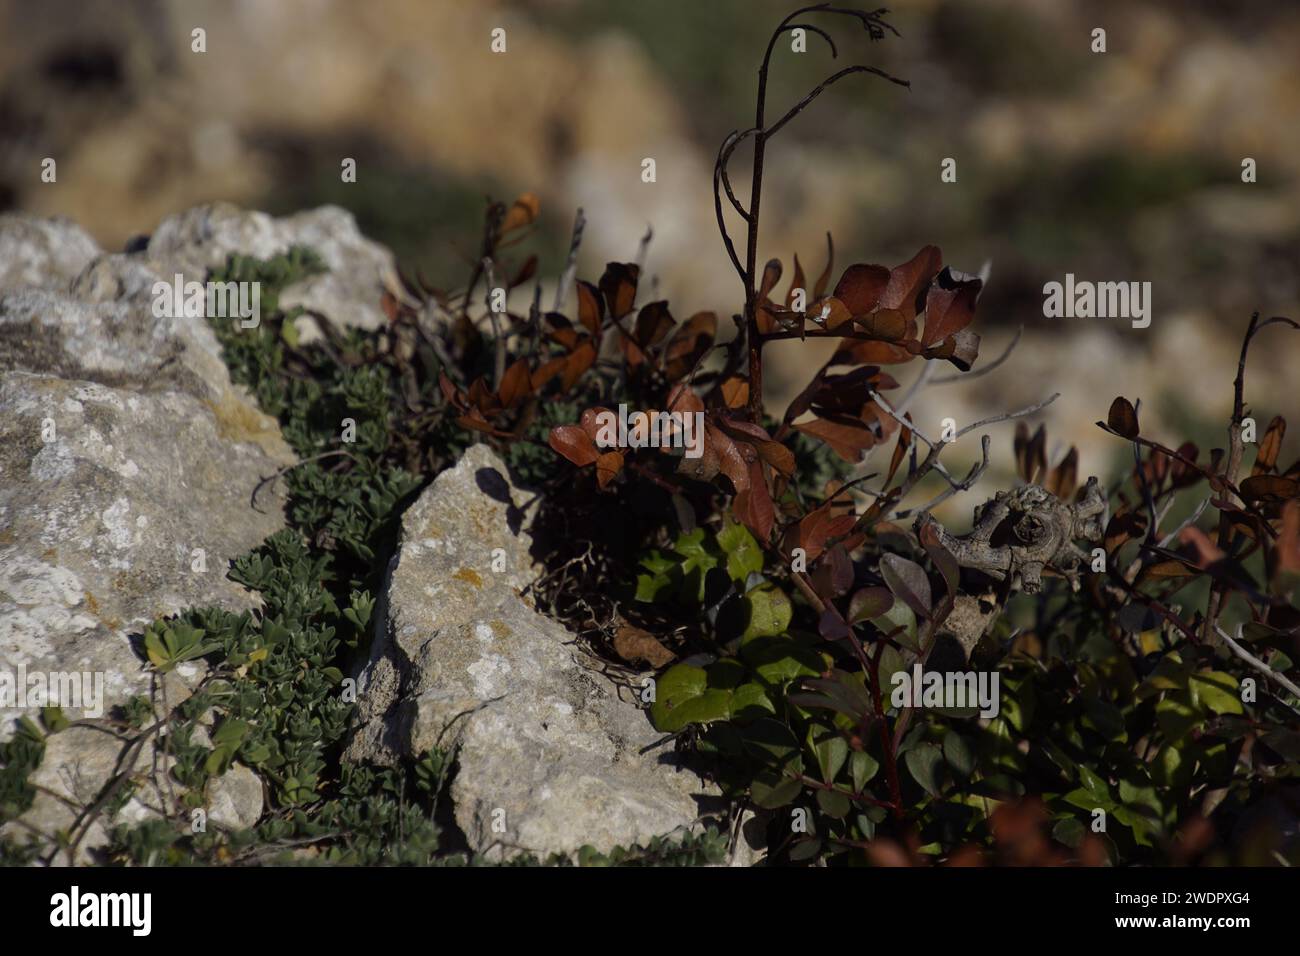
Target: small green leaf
x,y
770,612
925,761
958,753
744,556
862,767
682,696
1216,691
833,803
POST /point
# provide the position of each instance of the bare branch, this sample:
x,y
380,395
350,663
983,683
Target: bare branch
x,y
821,88
571,266
499,369
953,488
1253,661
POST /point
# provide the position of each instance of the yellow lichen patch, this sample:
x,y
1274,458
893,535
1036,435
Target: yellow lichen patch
x,y
237,420
469,576
91,604
500,628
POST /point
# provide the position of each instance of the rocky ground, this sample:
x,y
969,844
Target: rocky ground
x,y
126,454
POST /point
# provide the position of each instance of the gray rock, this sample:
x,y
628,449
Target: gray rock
x,y
127,461
235,799
550,753
348,294
45,253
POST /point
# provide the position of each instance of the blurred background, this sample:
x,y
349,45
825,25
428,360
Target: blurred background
x,y
1116,166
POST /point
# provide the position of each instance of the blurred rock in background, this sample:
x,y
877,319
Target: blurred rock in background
x,y
1115,166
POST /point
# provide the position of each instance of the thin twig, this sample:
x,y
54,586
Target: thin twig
x,y
499,339
571,265
1253,661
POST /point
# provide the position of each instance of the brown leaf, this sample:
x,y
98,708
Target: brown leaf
x,y
849,441
574,444
618,285
590,421
830,313
633,644
1270,488
548,371
682,399
581,359
753,504
653,323
1122,418
949,305
591,307
522,212
861,287
771,276
961,349
1266,457
906,282
1063,480
608,465
516,383
888,324
1288,540
872,353
735,392
796,282
526,272
900,452
689,343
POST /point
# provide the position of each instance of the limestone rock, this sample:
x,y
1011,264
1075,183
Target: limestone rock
x,y
349,293
549,750
235,799
48,253
128,460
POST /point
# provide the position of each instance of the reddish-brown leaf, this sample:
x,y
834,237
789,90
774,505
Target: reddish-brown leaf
x,y
753,504
908,281
1269,446
849,441
689,343
633,645
872,353
1288,540
653,323
608,465
574,444
548,371
581,359
522,212
900,452
735,392
949,305
591,307
861,287
516,383
1063,480
771,276
1270,488
618,285
796,282
1122,418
